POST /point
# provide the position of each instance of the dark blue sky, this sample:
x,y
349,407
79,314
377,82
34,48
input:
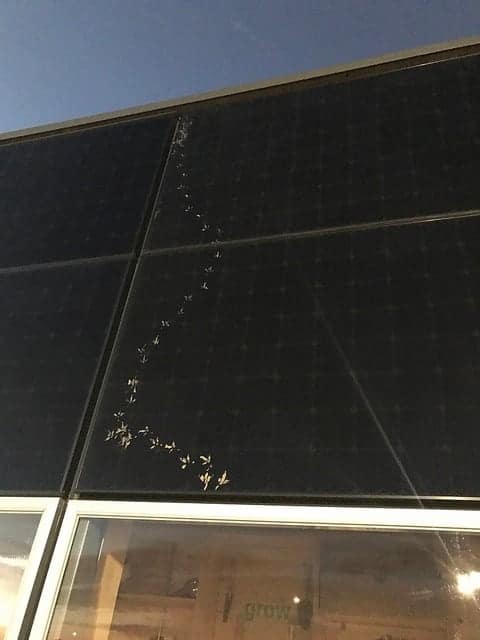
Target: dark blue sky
x,y
68,58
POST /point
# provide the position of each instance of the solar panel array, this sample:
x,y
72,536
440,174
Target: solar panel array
x,y
403,144
299,368
295,325
71,206
78,195
52,332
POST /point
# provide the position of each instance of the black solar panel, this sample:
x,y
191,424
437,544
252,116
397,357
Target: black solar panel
x,y
79,194
296,366
52,329
397,145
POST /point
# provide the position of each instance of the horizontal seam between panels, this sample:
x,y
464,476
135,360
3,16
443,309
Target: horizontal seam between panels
x,y
40,266
320,232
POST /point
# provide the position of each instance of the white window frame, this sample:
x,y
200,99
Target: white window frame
x,y
46,508
359,518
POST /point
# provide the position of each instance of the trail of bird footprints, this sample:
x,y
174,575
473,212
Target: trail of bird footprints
x,y
121,432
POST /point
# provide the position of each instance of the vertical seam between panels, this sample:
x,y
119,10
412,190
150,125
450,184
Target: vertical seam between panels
x,y
83,434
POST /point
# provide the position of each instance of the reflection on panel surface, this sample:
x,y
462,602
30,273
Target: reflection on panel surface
x,y
150,580
78,194
16,538
296,367
51,337
396,145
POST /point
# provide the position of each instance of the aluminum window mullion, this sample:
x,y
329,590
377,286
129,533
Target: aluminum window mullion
x,y
46,509
56,570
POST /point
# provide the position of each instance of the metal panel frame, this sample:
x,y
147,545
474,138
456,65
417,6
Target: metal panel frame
x,y
407,56
46,508
360,518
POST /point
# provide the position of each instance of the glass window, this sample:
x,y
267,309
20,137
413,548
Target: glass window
x,y
148,580
17,532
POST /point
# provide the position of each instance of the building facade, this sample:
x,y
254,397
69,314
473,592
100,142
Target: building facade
x,y
240,364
